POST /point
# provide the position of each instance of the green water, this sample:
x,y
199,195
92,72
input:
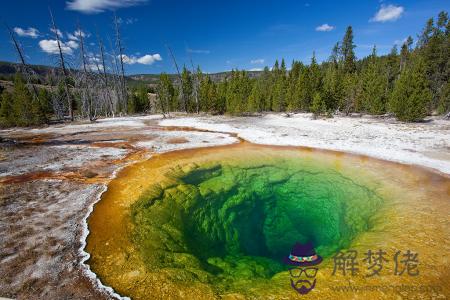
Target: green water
x,y
227,223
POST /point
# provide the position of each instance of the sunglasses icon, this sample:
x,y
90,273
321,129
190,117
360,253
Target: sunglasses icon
x,y
309,272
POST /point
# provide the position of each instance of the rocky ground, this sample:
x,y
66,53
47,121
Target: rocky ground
x,y
51,177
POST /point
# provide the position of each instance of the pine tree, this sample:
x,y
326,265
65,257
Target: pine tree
x,y
303,91
187,88
318,105
411,95
392,69
374,86
314,79
444,100
347,50
292,98
167,100
351,93
332,88
434,48
238,92
22,103
255,100
6,110
208,96
279,94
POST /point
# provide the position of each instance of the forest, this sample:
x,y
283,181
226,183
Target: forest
x,y
410,83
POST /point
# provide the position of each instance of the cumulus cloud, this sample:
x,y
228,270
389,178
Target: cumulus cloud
x,y
57,31
324,27
147,59
76,35
198,51
72,44
30,32
257,61
51,46
98,6
388,13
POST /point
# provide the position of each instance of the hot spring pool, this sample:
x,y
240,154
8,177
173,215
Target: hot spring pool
x,y
217,222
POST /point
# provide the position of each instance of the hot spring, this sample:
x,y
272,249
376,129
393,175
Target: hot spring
x,y
217,222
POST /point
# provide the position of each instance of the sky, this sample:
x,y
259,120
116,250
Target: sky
x,y
216,35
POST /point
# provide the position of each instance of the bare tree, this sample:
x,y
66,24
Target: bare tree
x,y
104,74
62,66
122,69
183,99
27,71
86,92
196,85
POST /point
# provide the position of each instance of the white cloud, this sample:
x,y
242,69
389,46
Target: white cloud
x,y
72,44
76,35
60,34
388,13
256,69
324,27
147,59
51,46
257,61
130,21
198,51
98,6
30,32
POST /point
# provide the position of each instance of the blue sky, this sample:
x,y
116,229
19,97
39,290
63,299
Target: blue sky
x,y
218,35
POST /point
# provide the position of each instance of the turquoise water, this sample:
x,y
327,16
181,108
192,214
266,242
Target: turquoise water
x,y
227,223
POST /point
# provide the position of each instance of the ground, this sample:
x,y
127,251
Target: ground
x,y
51,177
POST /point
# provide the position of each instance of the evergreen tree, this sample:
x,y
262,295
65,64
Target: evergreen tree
x,y
208,96
444,101
221,97
238,92
187,89
22,103
292,99
347,49
434,48
374,86
139,101
256,100
267,87
318,105
332,88
314,78
411,94
351,93
6,110
392,67
279,94
167,100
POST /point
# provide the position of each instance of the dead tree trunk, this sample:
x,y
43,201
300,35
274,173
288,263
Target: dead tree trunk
x,y
104,75
196,84
183,99
115,75
62,66
120,48
27,70
85,78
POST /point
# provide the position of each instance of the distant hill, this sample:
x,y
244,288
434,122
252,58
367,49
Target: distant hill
x,y
154,78
8,69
